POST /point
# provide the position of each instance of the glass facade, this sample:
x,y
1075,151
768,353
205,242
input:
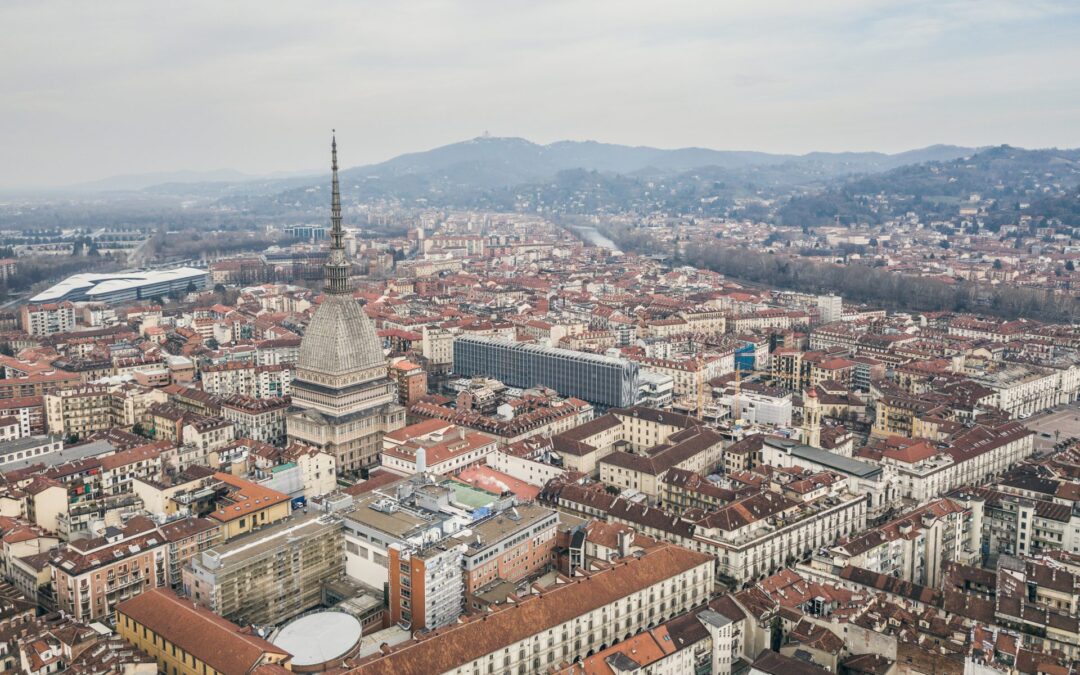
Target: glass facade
x,y
604,381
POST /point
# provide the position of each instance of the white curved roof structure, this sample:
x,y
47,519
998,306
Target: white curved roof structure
x,y
117,286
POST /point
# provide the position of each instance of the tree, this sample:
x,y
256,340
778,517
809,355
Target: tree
x,y
997,263
190,287
1070,266
945,244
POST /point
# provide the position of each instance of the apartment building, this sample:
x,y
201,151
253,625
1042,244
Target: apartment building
x,y
562,623
91,576
131,404
271,575
437,346
277,352
916,546
633,429
1022,389
207,434
427,585
749,537
187,538
260,419
318,469
28,412
697,449
78,411
921,470
690,377
535,416
829,308
705,320
47,319
247,379
1015,524
411,379
37,384
795,370
245,506
120,469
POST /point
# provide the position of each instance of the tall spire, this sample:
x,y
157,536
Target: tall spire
x,y
337,269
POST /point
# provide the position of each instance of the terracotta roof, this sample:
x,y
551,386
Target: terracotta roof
x,y
448,648
138,454
199,632
245,498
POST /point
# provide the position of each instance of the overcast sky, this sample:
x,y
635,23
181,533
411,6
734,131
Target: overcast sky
x,y
93,89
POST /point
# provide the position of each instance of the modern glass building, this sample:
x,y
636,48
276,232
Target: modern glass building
x,y
604,381
124,286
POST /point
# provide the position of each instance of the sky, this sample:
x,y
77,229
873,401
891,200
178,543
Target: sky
x,y
95,89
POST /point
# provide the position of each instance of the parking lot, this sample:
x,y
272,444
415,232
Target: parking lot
x,y
1056,426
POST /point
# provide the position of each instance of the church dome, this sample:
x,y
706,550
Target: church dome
x,y
340,338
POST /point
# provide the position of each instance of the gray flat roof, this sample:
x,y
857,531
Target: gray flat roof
x,y
541,349
495,528
72,454
22,444
839,463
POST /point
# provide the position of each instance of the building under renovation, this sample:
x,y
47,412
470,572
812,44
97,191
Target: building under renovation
x,y
269,576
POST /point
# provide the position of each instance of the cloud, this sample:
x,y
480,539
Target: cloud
x,y
93,89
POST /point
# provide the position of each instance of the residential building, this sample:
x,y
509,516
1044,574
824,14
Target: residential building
x,y
561,623
260,419
78,411
46,319
246,506
91,576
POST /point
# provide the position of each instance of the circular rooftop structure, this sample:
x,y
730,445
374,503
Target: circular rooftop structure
x,y
319,639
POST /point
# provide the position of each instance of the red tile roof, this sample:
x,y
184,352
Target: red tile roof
x,y
219,643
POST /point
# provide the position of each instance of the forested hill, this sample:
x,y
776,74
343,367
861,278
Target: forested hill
x,y
1006,182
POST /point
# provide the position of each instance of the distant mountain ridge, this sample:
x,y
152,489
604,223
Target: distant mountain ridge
x,y
503,161
497,162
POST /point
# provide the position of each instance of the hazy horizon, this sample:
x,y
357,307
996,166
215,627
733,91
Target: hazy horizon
x,y
122,87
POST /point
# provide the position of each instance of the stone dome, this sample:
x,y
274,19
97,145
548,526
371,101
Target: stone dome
x,y
340,338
